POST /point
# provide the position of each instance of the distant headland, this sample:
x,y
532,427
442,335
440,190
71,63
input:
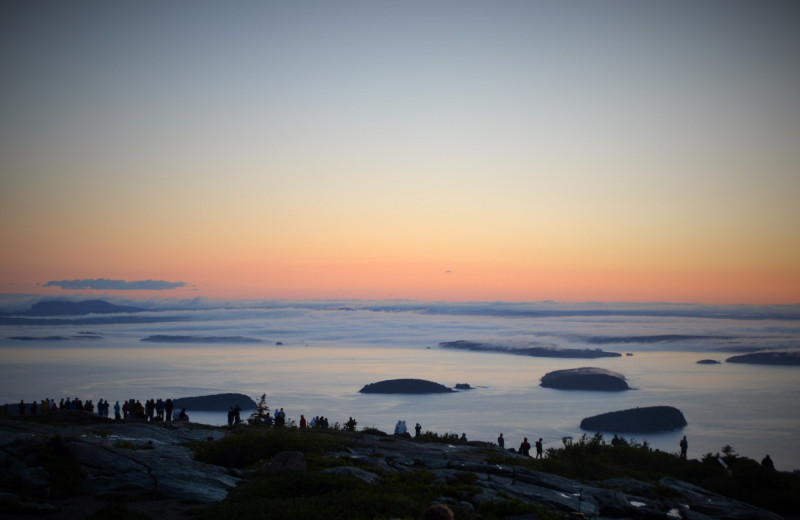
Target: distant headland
x,y
789,358
548,351
166,338
215,402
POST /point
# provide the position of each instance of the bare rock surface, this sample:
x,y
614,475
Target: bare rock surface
x,y
153,465
144,460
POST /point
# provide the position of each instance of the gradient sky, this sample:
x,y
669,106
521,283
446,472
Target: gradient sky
x,y
573,151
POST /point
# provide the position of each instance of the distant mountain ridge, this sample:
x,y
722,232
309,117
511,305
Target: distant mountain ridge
x,y
72,308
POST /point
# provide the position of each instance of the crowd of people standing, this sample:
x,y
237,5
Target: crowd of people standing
x,y
153,410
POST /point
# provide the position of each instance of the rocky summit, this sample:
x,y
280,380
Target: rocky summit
x,y
153,467
45,468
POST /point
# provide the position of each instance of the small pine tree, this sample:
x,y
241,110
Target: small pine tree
x,y
260,414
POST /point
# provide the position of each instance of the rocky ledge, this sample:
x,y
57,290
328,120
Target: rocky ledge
x,y
38,460
152,464
620,498
585,378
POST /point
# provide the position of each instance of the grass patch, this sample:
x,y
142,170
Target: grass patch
x,y
253,445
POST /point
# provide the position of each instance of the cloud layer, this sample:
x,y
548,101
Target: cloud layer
x,y
116,285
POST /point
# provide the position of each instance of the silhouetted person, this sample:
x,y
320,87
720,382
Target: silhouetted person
x,y
168,409
525,447
684,446
501,442
418,429
21,407
767,463
538,445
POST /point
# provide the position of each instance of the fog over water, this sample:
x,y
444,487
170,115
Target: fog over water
x,y
329,350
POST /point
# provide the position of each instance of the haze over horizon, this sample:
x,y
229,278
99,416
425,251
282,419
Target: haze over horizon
x,y
455,151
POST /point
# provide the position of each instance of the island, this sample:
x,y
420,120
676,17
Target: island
x,y
215,402
72,308
463,386
783,358
405,386
166,338
650,419
708,362
585,378
535,351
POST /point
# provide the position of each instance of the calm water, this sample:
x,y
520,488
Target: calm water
x,y
326,357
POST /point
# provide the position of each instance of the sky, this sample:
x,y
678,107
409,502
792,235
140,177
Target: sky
x,y
463,151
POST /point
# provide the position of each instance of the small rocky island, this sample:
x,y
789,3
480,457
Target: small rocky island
x,y
708,362
215,402
534,350
405,386
167,338
785,358
650,419
585,378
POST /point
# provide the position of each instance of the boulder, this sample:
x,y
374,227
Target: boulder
x,y
649,419
405,386
288,461
585,378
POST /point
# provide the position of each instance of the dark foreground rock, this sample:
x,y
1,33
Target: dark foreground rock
x,y
215,402
768,358
53,466
649,419
150,469
585,378
405,386
613,498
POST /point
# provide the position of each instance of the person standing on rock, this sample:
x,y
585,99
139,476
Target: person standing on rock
x,y
418,429
501,442
684,444
525,447
21,407
539,448
116,411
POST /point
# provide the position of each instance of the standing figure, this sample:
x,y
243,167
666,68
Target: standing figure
x,y
539,448
168,409
501,442
525,447
684,446
418,429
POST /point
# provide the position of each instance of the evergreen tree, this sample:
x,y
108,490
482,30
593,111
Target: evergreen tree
x,y
260,414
